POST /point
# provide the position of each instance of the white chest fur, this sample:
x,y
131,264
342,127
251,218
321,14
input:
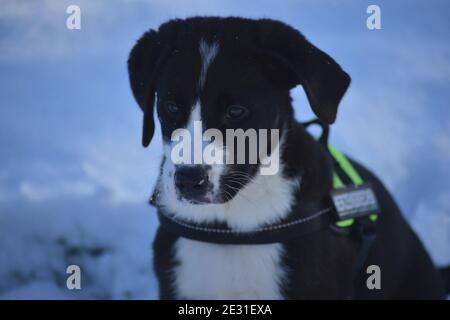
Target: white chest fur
x,y
212,271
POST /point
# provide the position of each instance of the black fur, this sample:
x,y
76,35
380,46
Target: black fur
x,y
288,59
260,61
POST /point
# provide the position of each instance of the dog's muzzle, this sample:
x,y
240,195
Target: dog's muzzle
x,y
192,183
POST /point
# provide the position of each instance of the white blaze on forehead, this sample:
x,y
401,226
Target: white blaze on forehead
x,y
194,126
194,116
208,52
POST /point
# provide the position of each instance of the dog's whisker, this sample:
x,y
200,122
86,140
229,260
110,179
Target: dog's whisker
x,y
237,182
240,173
227,194
238,178
244,179
239,193
235,174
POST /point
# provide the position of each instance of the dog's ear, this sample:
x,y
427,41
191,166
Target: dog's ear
x,y
299,62
143,64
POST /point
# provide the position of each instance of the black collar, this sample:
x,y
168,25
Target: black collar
x,y
267,234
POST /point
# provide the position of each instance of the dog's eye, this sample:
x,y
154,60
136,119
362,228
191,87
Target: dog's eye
x,y
172,107
236,112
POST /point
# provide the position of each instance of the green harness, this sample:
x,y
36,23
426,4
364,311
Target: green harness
x,y
360,227
353,175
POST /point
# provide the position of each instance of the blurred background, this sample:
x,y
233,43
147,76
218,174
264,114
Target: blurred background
x,y
74,179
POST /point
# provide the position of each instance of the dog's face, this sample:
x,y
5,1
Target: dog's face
x,y
222,74
224,88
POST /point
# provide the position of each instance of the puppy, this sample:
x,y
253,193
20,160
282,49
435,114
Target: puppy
x,y
235,73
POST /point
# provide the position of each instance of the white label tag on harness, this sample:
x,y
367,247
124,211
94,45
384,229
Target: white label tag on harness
x,y
354,201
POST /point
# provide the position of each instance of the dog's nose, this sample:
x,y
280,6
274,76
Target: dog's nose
x,y
191,181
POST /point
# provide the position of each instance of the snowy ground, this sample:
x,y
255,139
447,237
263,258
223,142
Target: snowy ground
x,y
74,179
111,246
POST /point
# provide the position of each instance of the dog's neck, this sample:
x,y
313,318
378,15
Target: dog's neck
x,y
304,157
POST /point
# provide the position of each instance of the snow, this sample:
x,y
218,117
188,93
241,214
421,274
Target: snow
x,y
37,290
74,179
112,248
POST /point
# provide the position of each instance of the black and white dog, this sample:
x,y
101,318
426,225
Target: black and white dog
x,y
238,73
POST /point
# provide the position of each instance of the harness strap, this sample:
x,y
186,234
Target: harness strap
x,y
345,165
362,228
